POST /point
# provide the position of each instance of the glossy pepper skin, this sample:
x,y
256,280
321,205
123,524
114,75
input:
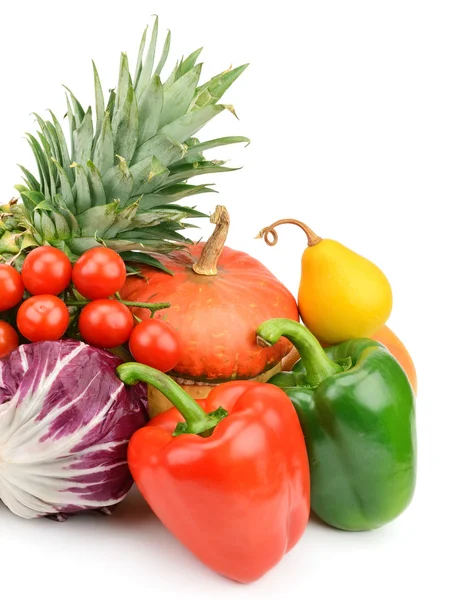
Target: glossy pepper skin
x,y
356,408
231,483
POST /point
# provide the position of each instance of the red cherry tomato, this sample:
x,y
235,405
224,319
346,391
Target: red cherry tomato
x,y
105,323
99,273
156,343
46,270
43,317
11,287
9,340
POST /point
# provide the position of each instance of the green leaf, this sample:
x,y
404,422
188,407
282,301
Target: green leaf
x,y
50,166
118,183
123,85
66,189
209,93
46,227
122,221
184,172
30,179
172,194
99,101
66,161
147,67
103,154
41,161
44,205
149,107
177,98
172,77
164,54
81,190
97,220
83,137
166,150
111,103
144,259
150,176
152,245
140,54
196,151
189,62
62,228
125,127
71,124
97,193
78,111
191,123
68,215
79,245
157,232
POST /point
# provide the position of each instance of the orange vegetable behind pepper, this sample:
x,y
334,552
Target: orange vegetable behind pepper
x,y
231,482
393,344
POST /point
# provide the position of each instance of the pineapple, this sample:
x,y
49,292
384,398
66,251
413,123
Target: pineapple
x,y
116,182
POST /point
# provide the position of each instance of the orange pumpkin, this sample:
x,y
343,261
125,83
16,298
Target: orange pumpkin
x,y
218,298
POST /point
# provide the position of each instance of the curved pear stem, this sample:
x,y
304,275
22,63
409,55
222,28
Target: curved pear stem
x,y
206,265
312,238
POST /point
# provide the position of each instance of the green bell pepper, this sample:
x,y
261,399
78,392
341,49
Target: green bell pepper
x,y
356,408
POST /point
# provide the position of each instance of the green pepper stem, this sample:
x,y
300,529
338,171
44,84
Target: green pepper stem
x,y
316,362
196,419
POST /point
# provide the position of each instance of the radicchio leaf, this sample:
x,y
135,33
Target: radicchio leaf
x,y
65,423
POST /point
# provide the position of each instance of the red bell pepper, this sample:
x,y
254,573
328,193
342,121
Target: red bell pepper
x,y
231,481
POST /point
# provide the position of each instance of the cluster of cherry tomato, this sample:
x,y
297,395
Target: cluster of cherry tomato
x,y
103,322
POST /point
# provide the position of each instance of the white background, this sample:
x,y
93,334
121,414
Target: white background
x,y
351,110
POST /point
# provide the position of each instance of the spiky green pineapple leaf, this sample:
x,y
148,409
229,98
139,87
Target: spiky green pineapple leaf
x,y
64,153
118,182
188,63
66,189
99,101
185,127
162,147
178,174
144,259
178,97
96,186
140,54
123,221
103,153
76,108
30,179
150,106
145,70
125,127
155,175
212,91
172,194
81,190
164,54
97,220
83,136
195,152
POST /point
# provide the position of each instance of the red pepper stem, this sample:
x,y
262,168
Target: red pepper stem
x,y
196,419
317,364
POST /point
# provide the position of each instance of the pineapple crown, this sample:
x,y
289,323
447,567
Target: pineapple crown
x,y
116,181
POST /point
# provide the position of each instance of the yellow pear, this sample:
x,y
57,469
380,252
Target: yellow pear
x,y
342,295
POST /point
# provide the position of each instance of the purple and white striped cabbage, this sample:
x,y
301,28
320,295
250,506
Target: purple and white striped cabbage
x,y
65,423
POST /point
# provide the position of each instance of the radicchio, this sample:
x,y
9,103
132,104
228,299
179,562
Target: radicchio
x,y
65,423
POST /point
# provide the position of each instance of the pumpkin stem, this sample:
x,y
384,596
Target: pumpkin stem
x,y
206,265
313,239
